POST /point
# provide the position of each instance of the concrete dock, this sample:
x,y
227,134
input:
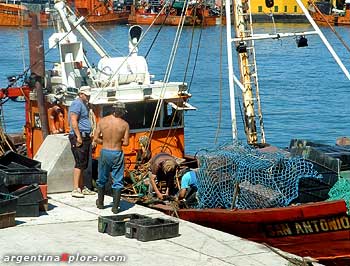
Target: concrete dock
x,y
68,234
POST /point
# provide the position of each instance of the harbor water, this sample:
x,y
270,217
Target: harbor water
x,y
304,94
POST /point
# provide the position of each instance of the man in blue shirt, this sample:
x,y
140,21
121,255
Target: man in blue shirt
x,y
188,187
79,137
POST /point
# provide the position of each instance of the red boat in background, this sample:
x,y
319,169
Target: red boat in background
x,y
96,11
324,13
158,14
14,15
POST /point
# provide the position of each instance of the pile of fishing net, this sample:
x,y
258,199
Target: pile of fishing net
x,y
341,190
239,176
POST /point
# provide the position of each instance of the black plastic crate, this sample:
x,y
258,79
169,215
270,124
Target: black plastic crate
x,y
8,203
29,199
15,160
27,210
3,188
23,176
309,194
151,229
28,195
114,225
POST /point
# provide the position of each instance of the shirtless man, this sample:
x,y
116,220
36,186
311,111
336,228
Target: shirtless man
x,y
112,132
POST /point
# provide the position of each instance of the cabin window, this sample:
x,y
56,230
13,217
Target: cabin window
x,y
295,9
285,9
140,115
172,117
260,9
276,9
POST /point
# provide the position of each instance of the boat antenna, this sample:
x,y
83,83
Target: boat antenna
x,y
323,38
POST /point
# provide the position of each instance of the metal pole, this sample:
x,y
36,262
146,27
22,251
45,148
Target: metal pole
x,y
230,69
37,57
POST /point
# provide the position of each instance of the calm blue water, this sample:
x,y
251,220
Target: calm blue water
x,y
304,93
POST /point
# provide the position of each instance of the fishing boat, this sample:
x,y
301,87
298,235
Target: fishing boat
x,y
259,192
113,79
164,14
97,12
14,15
94,11
327,13
156,111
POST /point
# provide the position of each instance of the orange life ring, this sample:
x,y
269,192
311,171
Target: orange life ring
x,y
56,120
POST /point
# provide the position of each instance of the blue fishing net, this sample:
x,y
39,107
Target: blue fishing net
x,y
246,178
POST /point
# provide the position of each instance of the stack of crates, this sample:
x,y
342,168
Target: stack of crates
x,y
328,160
29,200
23,177
141,227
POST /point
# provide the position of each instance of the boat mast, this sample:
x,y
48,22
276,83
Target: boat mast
x,y
248,71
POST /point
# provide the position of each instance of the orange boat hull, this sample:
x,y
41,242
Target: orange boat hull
x,y
148,19
14,15
202,17
332,19
116,18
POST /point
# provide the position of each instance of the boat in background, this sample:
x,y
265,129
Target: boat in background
x,y
94,11
326,13
162,14
14,15
101,12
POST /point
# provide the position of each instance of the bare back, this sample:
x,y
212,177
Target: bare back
x,y
114,131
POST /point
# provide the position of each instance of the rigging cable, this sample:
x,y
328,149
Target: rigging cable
x,y
135,47
166,143
196,57
168,71
161,26
191,42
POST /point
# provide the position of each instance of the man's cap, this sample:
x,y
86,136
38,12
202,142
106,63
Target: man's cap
x,y
119,105
169,166
85,89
